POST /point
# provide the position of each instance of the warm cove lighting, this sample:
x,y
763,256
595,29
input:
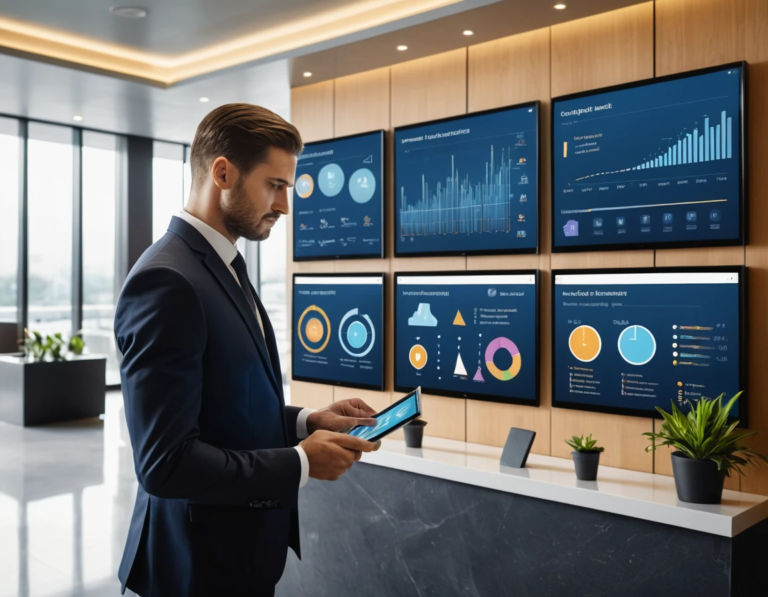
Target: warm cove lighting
x,y
402,48
164,70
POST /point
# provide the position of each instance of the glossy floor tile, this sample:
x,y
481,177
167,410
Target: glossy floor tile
x,y
66,497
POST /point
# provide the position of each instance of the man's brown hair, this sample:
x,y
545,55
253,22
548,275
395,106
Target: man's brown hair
x,y
242,133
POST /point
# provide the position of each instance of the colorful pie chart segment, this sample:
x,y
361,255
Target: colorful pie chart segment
x,y
509,346
314,329
585,343
417,356
637,345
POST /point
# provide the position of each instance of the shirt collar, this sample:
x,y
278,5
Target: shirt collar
x,y
220,243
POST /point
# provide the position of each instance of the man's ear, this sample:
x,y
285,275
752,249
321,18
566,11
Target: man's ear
x,y
222,173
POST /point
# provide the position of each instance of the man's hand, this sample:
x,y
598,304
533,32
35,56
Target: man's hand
x,y
341,415
332,454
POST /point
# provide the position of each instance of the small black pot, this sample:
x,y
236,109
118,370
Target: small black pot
x,y
414,433
586,464
697,481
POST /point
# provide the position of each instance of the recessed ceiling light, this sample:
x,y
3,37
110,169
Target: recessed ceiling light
x,y
469,32
204,100
402,48
77,118
560,7
129,12
307,74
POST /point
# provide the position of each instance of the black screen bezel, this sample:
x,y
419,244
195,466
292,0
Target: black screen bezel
x,y
400,424
742,238
382,219
526,251
743,407
346,384
476,396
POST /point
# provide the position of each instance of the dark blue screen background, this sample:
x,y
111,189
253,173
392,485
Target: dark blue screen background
x,y
332,363
333,226
487,205
488,316
657,308
605,148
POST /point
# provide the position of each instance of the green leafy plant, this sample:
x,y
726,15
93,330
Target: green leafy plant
x,y
705,434
579,444
52,345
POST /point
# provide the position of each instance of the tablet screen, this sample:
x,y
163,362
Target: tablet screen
x,y
392,418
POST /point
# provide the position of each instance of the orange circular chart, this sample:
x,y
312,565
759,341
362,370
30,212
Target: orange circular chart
x,y
417,356
314,330
585,343
304,186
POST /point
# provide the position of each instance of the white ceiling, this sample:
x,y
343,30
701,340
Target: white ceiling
x,y
55,93
172,26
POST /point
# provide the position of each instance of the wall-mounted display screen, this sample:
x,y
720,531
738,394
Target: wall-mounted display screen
x,y
659,163
626,341
338,329
468,185
337,199
468,334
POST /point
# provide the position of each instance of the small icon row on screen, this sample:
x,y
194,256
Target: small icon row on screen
x,y
645,220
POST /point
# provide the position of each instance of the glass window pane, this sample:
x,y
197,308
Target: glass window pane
x,y
167,186
272,290
9,222
100,180
187,175
50,179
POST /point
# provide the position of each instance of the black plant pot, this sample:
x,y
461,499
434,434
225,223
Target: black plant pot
x,y
586,464
697,481
414,433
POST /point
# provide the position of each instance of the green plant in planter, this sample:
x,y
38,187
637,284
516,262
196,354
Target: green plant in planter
x,y
579,444
705,434
51,346
76,344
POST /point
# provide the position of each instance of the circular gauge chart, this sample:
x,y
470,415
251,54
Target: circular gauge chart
x,y
585,343
417,356
304,186
362,185
356,333
330,180
315,332
503,344
637,345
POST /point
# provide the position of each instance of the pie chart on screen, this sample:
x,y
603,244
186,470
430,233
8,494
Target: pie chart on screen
x,y
637,345
585,343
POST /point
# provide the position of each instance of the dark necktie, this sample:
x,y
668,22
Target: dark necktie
x,y
238,264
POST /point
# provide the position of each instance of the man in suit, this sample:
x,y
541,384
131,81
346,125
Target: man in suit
x,y
216,450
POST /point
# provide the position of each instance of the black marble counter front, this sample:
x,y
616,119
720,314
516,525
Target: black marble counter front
x,y
381,532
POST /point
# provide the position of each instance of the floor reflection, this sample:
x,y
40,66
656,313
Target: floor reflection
x,y
66,497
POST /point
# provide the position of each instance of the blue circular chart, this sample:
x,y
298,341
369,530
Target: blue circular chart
x,y
330,180
356,333
637,345
362,185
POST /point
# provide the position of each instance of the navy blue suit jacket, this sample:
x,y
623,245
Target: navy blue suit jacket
x,y
216,508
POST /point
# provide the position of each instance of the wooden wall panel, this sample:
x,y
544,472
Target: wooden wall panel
x,y
362,103
311,395
376,400
606,49
429,88
312,111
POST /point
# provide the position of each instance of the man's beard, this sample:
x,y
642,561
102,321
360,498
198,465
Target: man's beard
x,y
239,219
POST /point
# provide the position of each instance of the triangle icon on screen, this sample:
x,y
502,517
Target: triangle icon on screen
x,y
458,320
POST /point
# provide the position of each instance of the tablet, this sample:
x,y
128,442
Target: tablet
x,y
392,418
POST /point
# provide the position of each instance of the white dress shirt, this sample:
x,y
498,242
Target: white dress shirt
x,y
227,251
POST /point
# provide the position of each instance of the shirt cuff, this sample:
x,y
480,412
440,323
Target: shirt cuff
x,y
304,466
301,423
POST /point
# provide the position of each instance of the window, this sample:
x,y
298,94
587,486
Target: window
x,y
100,194
272,289
167,186
9,223
50,205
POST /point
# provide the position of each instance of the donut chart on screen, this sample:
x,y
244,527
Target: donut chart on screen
x,y
357,333
314,332
509,346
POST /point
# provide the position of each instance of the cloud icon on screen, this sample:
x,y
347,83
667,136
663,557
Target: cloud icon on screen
x,y
423,317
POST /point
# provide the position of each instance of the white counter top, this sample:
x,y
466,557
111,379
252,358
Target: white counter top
x,y
630,493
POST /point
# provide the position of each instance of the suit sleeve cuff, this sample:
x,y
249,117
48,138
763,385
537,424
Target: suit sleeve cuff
x,y
301,423
304,466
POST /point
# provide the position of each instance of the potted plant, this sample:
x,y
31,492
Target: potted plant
x,y
53,381
586,457
707,448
